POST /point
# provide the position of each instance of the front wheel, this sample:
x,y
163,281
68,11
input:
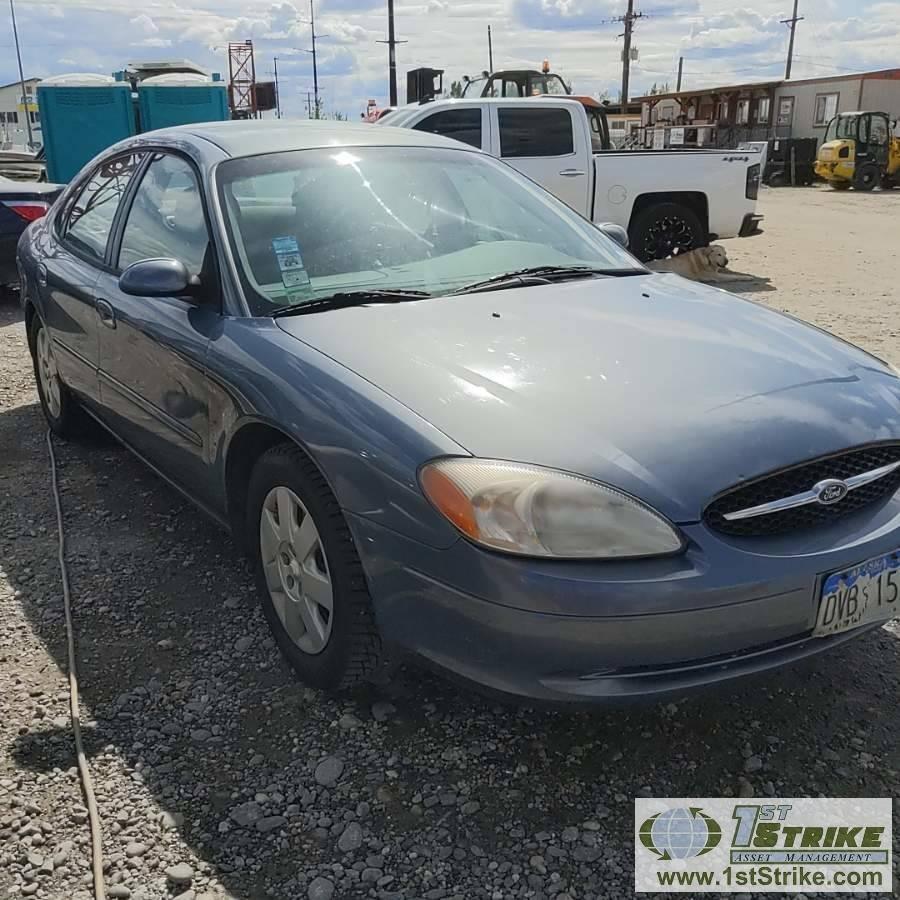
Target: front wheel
x,y
311,582
663,230
840,185
866,177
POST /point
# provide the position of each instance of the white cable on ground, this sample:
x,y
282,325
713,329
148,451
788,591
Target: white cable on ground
x,y
87,784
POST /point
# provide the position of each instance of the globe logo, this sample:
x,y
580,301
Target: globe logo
x,y
680,833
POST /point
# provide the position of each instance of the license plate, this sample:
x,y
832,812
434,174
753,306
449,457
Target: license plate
x,y
867,593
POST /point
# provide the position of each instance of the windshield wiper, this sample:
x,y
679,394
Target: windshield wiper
x,y
344,299
543,275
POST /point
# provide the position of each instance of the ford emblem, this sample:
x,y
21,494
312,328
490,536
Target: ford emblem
x,y
831,490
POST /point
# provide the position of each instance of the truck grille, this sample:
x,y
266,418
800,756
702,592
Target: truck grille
x,y
799,479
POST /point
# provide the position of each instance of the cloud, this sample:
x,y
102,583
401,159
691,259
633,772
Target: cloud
x,y
721,40
144,23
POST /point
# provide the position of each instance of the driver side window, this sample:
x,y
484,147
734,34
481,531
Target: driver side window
x,y
166,218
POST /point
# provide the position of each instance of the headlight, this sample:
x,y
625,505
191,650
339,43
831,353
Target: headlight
x,y
533,511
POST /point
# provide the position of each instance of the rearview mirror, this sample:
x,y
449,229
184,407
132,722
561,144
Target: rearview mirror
x,y
158,278
616,232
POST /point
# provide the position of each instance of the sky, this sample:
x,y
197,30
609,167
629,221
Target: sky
x,y
721,42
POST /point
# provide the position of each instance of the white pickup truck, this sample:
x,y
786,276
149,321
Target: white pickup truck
x,y
668,200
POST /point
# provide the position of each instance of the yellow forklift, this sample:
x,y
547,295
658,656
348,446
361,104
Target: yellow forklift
x,y
860,151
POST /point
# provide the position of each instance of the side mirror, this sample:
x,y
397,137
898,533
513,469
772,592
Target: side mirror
x,y
616,233
158,278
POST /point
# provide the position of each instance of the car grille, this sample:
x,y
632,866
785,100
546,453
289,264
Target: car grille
x,y
798,479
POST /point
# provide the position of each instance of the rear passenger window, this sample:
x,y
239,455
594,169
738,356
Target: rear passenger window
x,y
460,124
91,216
535,132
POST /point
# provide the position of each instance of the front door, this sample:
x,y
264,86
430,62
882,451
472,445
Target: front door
x,y
539,139
153,349
67,275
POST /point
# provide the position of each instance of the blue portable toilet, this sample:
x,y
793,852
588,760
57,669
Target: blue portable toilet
x,y
181,98
81,115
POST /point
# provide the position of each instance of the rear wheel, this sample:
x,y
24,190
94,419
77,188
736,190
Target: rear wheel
x,y
64,416
867,177
664,230
311,582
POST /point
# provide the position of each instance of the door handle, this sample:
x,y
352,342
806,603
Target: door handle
x,y
106,313
571,173
42,275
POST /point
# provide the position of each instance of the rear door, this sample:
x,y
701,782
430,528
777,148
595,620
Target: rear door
x,y
153,381
68,274
468,124
543,141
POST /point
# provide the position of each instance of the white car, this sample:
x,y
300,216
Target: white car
x,y
669,201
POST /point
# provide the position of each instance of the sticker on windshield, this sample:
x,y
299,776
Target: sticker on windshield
x,y
290,263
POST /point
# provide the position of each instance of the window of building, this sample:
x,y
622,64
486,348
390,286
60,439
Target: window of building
x,y
826,108
12,118
460,124
762,110
535,132
743,112
722,111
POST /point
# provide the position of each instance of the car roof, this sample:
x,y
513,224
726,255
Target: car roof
x,y
254,136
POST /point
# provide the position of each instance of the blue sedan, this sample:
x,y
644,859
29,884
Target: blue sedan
x,y
447,416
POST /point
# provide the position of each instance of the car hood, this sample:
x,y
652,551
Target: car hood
x,y
670,390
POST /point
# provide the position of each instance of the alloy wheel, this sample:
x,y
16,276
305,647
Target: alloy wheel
x,y
296,570
666,236
48,374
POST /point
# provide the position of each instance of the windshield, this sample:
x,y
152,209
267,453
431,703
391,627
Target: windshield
x,y
307,224
842,128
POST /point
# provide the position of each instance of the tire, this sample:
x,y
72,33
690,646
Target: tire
x,y
61,410
866,177
664,229
840,185
328,649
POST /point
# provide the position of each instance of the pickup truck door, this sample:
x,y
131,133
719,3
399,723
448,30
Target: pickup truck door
x,y
547,143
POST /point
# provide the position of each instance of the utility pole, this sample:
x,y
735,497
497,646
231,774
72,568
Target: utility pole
x,y
277,92
628,21
392,54
312,30
792,22
680,68
490,52
12,13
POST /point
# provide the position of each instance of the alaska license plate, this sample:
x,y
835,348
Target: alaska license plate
x,y
867,593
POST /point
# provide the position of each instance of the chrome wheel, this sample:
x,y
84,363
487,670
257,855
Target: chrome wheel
x,y
48,374
296,570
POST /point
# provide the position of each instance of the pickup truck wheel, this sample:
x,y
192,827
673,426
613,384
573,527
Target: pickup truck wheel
x,y
665,230
311,582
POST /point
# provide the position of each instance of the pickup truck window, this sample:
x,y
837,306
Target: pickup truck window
x,y
535,131
460,124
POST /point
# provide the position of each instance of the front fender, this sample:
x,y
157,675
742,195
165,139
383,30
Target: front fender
x,y
367,445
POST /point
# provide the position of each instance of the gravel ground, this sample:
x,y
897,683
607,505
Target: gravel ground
x,y
217,774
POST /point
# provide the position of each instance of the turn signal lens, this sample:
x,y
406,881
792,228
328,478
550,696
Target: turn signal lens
x,y
534,511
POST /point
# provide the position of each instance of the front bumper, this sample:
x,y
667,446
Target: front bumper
x,y
604,632
750,225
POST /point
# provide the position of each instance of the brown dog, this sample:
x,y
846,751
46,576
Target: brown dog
x,y
707,264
